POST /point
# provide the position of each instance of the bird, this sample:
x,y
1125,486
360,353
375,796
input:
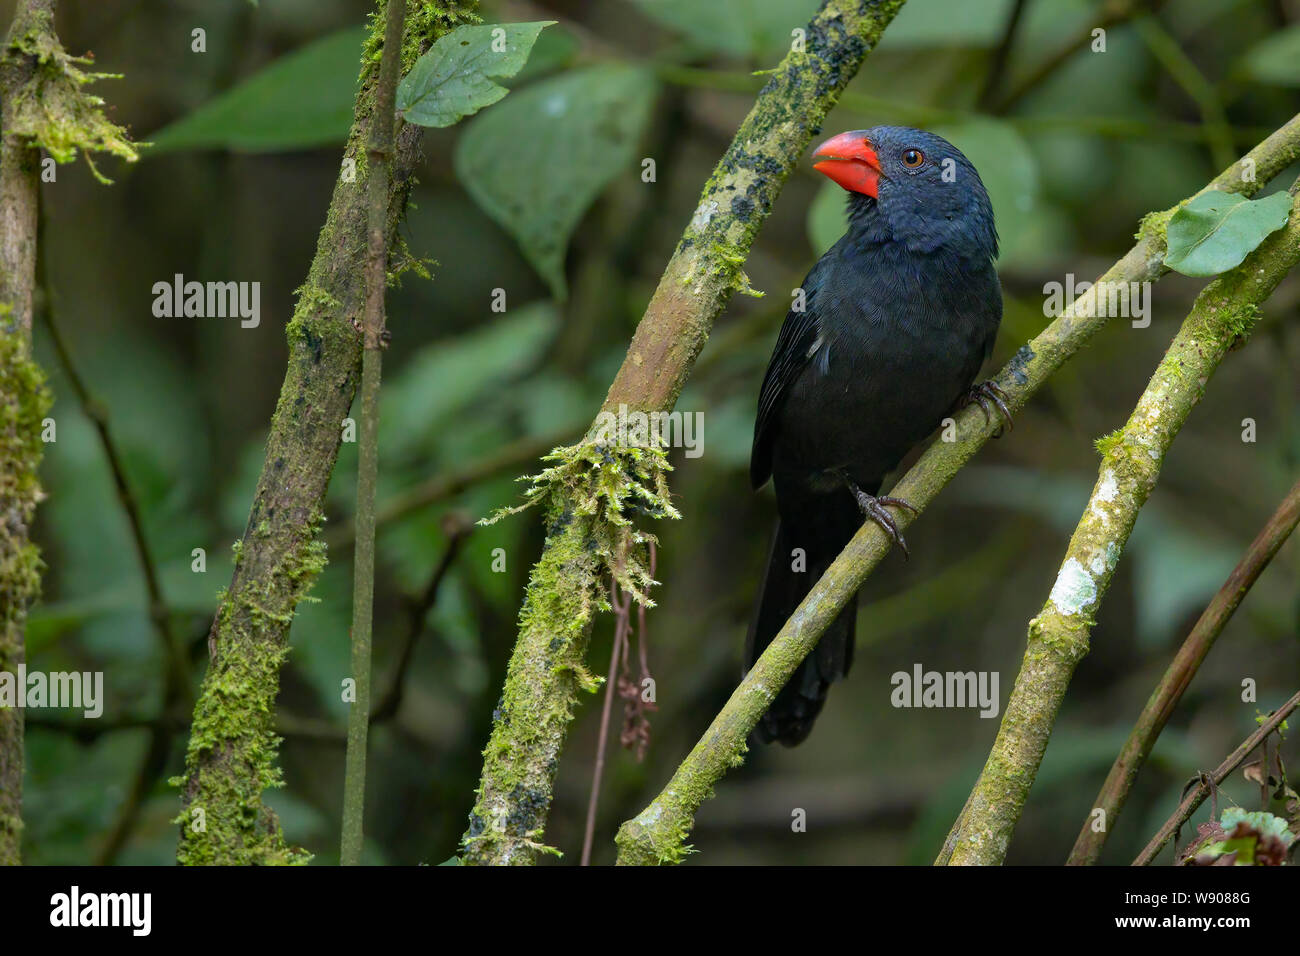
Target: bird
x,y
886,336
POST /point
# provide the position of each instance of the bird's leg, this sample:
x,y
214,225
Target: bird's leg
x,y
873,508
989,393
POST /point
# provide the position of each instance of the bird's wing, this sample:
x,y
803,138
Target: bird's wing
x,y
794,349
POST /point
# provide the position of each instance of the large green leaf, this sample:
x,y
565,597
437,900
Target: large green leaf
x,y
735,27
1277,59
302,100
1216,231
539,160
454,78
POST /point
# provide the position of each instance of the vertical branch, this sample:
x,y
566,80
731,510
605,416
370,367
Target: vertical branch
x,y
231,759
363,576
1181,670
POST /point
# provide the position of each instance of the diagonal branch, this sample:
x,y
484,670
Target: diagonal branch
x,y
1220,774
658,833
1181,670
590,495
1221,319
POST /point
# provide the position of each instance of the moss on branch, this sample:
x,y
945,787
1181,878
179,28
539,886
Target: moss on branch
x,y
232,750
547,669
1223,316
657,834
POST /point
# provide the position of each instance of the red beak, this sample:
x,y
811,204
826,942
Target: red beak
x,y
849,160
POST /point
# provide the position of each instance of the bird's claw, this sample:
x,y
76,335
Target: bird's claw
x,y
873,508
986,394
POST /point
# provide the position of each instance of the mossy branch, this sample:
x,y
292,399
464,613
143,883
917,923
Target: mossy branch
x,y
657,835
42,105
589,531
1178,676
50,106
233,744
1221,319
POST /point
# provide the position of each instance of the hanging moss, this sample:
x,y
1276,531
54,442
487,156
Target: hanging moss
x,y
592,498
52,107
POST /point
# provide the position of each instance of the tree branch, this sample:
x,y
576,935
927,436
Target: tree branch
x,y
1197,797
658,833
589,535
1164,699
1222,318
232,749
379,154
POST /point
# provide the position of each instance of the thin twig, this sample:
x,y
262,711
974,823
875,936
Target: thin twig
x,y
175,674
1193,82
458,529
441,487
623,624
1115,13
993,79
1164,699
1203,790
380,155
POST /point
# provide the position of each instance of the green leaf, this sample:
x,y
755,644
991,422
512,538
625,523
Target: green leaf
x,y
302,100
539,160
735,27
1277,59
1216,231
453,79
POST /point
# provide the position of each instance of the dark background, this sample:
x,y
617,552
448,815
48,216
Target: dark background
x,y
1072,166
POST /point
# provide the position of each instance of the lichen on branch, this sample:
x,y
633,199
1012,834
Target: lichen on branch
x,y
657,834
1221,319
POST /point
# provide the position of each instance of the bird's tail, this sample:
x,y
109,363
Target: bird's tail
x,y
790,575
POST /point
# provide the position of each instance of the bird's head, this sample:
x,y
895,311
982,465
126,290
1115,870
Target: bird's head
x,y
911,186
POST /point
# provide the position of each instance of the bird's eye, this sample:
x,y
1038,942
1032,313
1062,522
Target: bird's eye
x,y
913,158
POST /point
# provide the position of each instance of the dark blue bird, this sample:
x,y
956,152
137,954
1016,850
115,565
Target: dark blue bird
x,y
897,318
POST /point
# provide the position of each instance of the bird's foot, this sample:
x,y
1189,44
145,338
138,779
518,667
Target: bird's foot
x,y
989,395
873,508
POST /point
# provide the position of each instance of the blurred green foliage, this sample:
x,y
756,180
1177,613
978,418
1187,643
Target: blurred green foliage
x,y
542,196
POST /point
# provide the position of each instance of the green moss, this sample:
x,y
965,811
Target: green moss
x,y
1108,445
24,402
51,106
592,498
425,21
1155,225
231,758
